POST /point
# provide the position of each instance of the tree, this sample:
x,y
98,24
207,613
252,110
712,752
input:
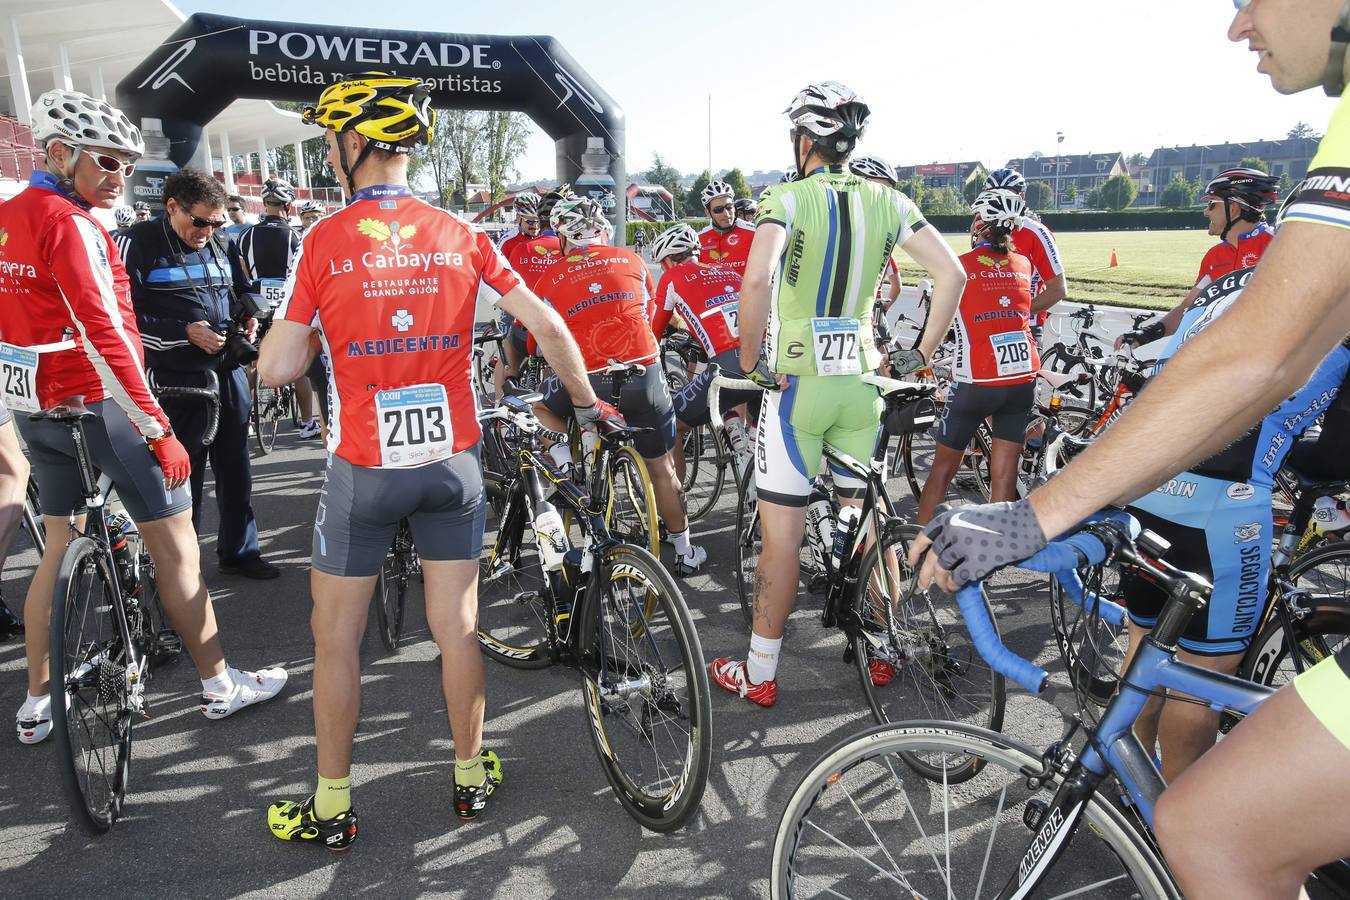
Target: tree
x,y
1070,193
667,177
505,135
913,188
1178,193
1039,195
972,189
1137,161
1092,198
1286,184
693,202
1254,162
942,201
453,157
736,178
1118,192
1303,131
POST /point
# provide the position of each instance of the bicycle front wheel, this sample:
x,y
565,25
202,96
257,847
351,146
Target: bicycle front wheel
x,y
646,691
1093,649
914,656
705,471
90,688
860,825
630,514
33,522
513,593
747,541
391,590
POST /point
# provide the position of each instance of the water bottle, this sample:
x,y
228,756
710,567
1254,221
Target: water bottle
x,y
1329,514
843,534
147,182
820,523
125,541
595,181
736,435
550,536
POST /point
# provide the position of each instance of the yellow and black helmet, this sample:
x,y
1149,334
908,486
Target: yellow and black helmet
x,y
388,109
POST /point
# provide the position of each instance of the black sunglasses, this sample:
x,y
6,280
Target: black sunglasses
x,y
199,222
720,209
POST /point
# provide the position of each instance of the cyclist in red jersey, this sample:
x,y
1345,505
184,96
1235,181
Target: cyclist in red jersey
x,y
707,300
529,258
996,358
1037,243
69,332
1236,203
726,240
604,294
526,205
391,284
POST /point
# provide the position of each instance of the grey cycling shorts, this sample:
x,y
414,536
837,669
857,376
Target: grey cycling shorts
x,y
118,451
360,508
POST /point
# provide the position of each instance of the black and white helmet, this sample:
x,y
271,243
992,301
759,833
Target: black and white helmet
x,y
1005,179
82,121
140,206
1000,207
673,241
527,203
714,190
278,191
789,175
580,221
309,206
830,111
872,167
124,216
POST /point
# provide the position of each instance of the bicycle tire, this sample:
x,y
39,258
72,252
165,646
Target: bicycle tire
x,y
648,634
262,395
512,590
391,588
709,458
1057,360
1319,633
630,513
977,460
89,673
747,542
937,673
858,778
1093,650
33,523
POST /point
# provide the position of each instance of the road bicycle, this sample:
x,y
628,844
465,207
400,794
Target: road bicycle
x,y
270,406
108,633
1031,823
579,596
1084,354
391,588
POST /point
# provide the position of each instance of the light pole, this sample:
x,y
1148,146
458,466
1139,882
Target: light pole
x,y
1059,154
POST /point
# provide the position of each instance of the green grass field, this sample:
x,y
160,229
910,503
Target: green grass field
x,y
1156,268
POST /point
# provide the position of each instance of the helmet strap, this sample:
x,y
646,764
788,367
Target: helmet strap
x,y
1333,79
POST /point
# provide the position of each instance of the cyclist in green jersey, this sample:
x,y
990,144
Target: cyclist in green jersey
x,y
821,246
1271,801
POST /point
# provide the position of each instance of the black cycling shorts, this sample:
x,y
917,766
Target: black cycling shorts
x,y
1009,406
644,403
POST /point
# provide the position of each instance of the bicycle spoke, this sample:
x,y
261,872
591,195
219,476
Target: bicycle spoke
x,y
989,848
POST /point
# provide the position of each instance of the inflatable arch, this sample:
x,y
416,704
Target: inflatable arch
x,y
211,61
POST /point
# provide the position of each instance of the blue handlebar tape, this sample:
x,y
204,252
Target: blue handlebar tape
x,y
1007,663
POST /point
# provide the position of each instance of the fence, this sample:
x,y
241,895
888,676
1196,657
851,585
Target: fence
x,y
19,153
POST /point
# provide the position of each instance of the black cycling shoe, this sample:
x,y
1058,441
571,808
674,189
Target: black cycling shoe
x,y
292,820
469,800
10,626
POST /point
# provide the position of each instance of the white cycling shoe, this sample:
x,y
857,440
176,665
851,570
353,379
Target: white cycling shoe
x,y
690,564
34,723
249,688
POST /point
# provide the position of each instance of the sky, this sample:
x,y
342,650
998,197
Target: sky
x,y
945,81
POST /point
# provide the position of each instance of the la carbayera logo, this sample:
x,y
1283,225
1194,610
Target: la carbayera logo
x,y
393,250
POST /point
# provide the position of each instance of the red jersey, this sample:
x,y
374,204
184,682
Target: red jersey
x,y
532,257
708,298
1223,257
1037,243
604,294
62,279
729,249
391,284
993,333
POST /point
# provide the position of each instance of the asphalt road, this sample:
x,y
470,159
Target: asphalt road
x,y
194,823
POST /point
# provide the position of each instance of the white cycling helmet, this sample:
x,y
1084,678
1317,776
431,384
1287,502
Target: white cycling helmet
x,y
788,176
675,240
872,167
714,190
82,121
1000,207
527,203
580,221
1005,179
309,206
124,216
829,110
279,191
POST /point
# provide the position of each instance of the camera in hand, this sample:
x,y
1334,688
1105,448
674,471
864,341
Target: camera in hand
x,y
237,345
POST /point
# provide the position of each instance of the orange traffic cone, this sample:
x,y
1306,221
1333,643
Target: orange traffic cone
x,y
1114,262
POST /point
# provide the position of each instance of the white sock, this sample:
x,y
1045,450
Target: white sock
x,y
561,455
761,663
35,707
681,541
219,684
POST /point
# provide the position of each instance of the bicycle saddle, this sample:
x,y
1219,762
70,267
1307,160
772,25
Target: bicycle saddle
x,y
513,388
71,409
1311,488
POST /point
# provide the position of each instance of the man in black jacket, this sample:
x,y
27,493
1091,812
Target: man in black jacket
x,y
185,277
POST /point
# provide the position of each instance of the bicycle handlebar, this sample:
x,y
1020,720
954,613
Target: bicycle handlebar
x,y
210,393
1060,559
720,381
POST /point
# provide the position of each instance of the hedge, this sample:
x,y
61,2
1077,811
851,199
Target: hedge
x,y
652,229
1124,220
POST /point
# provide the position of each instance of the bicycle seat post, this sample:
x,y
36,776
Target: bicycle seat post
x,y
88,479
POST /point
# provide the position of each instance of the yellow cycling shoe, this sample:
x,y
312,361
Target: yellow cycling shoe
x,y
292,820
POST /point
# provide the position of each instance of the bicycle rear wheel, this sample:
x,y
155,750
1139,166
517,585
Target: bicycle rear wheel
x,y
859,825
1058,361
33,523
1093,649
747,541
91,705
1325,628
630,514
391,590
646,691
917,646
513,604
705,471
